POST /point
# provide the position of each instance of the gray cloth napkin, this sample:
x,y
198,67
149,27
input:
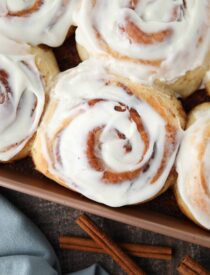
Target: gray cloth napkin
x,y
24,250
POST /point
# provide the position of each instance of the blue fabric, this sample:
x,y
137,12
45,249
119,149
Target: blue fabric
x,y
24,250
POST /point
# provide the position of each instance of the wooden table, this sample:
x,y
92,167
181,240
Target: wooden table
x,y
54,220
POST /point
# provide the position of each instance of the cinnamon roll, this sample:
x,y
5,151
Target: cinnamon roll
x,y
25,74
193,163
37,21
164,43
110,139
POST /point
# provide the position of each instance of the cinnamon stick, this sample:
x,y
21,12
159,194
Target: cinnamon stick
x,y
111,248
190,267
138,250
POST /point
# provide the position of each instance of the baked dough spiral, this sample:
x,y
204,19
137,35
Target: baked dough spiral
x,y
37,21
111,140
164,42
24,77
193,165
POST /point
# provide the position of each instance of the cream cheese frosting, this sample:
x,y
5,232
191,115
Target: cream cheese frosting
x,y
37,22
21,98
100,134
193,167
11,47
151,39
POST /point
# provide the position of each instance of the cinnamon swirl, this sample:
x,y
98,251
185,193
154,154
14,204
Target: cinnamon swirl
x,y
162,42
110,139
24,78
193,163
37,21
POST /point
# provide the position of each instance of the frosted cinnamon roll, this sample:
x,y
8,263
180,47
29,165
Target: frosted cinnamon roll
x,y
162,42
193,163
37,21
25,74
109,139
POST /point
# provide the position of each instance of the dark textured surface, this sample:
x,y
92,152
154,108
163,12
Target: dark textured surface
x,y
55,220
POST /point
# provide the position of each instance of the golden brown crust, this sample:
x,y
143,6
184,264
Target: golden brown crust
x,y
47,65
183,207
197,112
83,54
187,84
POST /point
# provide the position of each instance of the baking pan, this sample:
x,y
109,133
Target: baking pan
x,y
160,215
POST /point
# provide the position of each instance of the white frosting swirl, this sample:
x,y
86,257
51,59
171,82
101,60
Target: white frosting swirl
x,y
37,21
10,47
161,39
21,99
103,141
193,167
